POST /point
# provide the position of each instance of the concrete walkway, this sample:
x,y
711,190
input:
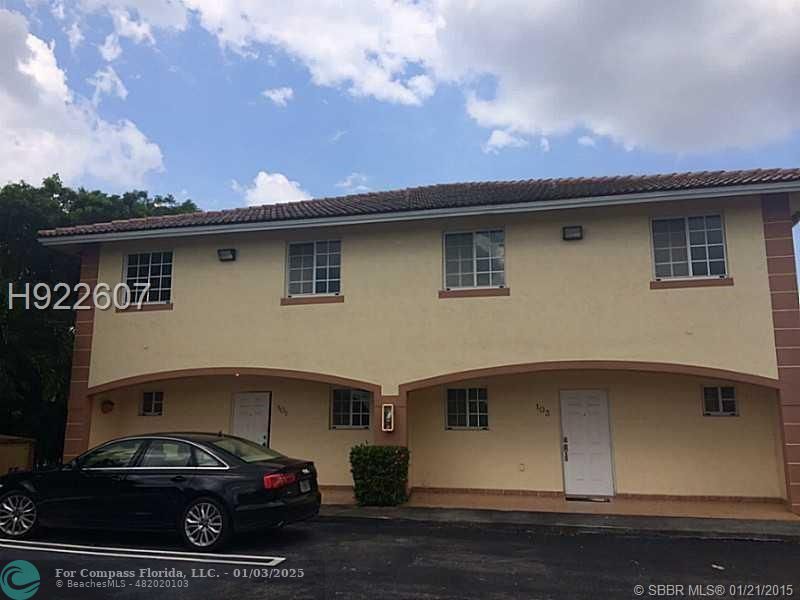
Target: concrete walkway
x,y
619,505
572,523
751,509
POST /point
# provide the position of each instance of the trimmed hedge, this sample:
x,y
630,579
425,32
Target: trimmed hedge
x,y
380,474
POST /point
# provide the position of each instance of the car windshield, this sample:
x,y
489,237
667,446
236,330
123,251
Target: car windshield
x,y
246,450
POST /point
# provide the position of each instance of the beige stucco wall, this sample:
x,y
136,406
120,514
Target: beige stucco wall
x,y
299,428
569,301
661,443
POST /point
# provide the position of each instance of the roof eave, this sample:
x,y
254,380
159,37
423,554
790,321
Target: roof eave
x,y
461,211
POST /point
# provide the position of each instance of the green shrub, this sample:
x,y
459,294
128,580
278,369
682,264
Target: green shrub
x,y
380,474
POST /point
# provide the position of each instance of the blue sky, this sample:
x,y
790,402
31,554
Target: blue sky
x,y
201,127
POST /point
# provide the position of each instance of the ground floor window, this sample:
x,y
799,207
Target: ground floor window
x,y
350,408
467,408
720,401
152,404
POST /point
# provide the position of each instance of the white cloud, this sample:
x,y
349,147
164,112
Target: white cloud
x,y
683,76
110,49
165,14
57,10
45,129
337,135
74,35
279,96
544,144
422,85
500,139
588,141
371,49
270,188
106,81
138,31
355,183
124,26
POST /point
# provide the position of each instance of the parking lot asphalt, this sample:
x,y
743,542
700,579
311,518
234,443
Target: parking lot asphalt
x,y
371,558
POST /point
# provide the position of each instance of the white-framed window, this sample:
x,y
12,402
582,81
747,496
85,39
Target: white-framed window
x,y
152,404
467,408
154,268
350,408
689,247
314,268
720,401
475,259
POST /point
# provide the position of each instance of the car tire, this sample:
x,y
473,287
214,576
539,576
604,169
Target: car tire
x,y
205,525
19,517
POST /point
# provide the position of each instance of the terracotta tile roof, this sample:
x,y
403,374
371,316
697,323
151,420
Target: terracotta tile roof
x,y
450,195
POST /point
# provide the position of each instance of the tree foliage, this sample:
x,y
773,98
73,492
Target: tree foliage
x,y
36,345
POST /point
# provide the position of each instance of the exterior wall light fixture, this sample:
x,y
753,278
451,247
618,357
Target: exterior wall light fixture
x,y
226,254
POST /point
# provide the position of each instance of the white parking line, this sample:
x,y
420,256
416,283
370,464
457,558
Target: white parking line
x,y
122,552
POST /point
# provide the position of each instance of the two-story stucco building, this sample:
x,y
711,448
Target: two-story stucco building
x,y
629,337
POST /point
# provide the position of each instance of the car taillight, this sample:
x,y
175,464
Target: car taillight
x,y
278,480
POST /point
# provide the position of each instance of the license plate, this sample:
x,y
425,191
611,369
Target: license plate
x,y
305,486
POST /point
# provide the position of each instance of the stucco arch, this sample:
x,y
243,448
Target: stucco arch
x,y
231,372
591,365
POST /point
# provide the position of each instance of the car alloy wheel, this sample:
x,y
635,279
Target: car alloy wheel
x,y
203,524
17,514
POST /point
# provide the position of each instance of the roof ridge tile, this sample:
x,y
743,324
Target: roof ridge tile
x,y
443,195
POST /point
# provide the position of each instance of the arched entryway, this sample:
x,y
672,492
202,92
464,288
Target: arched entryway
x,y
662,440
294,411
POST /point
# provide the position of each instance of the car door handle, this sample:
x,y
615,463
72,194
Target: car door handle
x,y
178,478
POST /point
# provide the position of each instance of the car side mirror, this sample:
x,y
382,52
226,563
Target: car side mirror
x,y
70,466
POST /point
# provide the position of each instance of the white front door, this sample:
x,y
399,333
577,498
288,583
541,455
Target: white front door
x,y
251,412
586,443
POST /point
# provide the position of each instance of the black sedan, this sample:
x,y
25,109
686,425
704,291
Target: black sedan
x,y
206,486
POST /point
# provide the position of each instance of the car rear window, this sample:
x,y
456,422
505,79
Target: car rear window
x,y
245,450
167,453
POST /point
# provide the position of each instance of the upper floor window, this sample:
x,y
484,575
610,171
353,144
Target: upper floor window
x,y
154,268
315,267
474,259
152,404
350,408
467,408
689,247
